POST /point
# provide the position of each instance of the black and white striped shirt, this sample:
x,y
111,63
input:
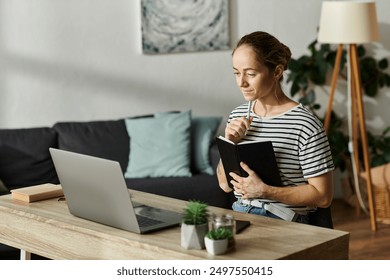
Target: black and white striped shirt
x,y
300,144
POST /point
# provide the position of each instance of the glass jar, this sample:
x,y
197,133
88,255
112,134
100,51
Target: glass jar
x,y
226,221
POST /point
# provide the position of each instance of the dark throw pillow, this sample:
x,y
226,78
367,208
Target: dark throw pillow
x,y
104,139
24,156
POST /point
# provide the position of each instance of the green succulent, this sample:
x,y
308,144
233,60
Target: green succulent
x,y
195,213
220,233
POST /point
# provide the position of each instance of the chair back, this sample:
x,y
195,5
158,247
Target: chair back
x,y
322,217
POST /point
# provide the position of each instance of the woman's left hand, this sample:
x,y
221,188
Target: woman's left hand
x,y
251,186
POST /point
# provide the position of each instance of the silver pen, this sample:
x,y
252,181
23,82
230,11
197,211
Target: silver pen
x,y
248,114
249,109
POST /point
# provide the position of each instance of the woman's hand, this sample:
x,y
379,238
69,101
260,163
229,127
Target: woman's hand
x,y
251,186
237,128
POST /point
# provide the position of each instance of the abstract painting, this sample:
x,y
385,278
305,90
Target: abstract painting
x,y
171,26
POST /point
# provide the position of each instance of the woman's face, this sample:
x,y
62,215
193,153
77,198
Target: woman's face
x,y
253,78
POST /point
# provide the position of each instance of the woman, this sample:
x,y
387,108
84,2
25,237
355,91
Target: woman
x,y
299,141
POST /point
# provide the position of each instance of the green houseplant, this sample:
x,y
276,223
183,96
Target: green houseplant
x,y
310,72
217,240
194,225
379,147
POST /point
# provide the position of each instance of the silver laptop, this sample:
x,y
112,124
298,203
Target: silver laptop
x,y
95,189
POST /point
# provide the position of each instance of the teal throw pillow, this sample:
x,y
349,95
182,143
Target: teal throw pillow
x,y
160,146
204,130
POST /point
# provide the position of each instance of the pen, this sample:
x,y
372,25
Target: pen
x,y
249,109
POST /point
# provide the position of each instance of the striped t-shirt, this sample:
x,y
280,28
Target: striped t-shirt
x,y
300,144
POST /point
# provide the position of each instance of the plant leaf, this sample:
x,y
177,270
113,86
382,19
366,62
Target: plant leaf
x,y
383,63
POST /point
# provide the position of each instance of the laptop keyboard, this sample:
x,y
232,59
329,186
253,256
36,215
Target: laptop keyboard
x,y
146,222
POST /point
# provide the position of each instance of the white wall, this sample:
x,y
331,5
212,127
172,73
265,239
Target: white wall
x,y
81,60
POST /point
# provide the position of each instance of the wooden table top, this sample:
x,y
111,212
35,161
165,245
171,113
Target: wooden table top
x,y
48,229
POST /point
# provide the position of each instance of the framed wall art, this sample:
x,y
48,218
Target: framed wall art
x,y
172,26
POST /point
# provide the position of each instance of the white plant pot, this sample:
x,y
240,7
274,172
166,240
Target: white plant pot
x,y
216,247
192,237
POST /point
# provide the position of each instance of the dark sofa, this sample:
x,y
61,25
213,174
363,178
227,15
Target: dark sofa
x,y
25,160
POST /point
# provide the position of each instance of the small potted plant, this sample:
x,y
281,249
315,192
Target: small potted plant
x,y
216,240
194,225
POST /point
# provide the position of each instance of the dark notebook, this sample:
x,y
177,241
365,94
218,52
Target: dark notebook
x,y
259,156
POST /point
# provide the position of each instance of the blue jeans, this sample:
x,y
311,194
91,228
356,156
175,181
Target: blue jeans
x,y
240,207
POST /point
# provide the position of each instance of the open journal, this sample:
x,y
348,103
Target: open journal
x,y
259,156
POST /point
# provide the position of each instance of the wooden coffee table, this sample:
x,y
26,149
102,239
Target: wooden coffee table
x,y
48,229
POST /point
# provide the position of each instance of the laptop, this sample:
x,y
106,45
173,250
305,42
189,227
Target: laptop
x,y
95,189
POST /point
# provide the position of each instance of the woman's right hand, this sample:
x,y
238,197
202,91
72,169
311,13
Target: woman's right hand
x,y
237,128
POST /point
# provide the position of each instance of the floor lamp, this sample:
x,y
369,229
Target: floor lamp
x,y
350,23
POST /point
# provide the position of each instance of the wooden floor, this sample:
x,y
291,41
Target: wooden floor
x,y
364,244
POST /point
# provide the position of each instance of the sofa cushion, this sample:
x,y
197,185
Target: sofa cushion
x,y
202,136
24,156
105,139
203,130
160,146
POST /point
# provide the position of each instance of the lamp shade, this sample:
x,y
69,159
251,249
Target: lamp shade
x,y
347,22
